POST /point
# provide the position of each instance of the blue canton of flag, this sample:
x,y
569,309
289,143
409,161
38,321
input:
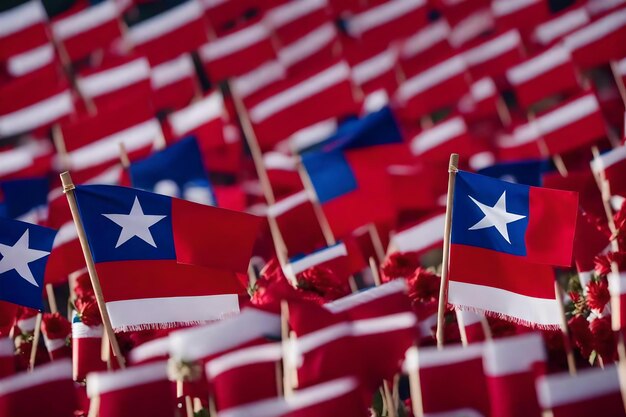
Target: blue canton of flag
x,y
177,171
24,250
24,198
124,224
490,214
522,172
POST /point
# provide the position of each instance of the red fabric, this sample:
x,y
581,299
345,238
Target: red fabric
x,y
232,236
500,270
176,95
300,229
334,101
607,405
55,398
608,47
561,79
497,65
92,39
513,395
412,65
86,354
28,38
31,89
590,239
155,399
551,226
465,378
355,209
239,61
526,18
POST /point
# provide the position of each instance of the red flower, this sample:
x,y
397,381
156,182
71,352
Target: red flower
x,y
581,335
323,282
598,294
620,219
604,339
399,265
423,285
55,326
501,328
603,262
88,311
83,286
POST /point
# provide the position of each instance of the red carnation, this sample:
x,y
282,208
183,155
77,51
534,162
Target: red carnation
x,y
399,265
423,285
581,335
603,262
604,339
620,219
501,328
88,311
83,286
323,282
55,326
598,294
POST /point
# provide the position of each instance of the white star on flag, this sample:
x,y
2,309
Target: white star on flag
x,y
19,256
496,216
135,223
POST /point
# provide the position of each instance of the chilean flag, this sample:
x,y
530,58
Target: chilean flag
x,y
504,236
163,261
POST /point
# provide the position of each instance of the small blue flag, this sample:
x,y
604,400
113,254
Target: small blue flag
x,y
24,250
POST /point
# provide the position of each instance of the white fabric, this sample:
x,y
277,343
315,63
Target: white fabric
x,y
617,283
596,30
21,17
567,114
292,11
303,398
243,357
287,204
540,311
312,135
196,114
345,303
595,7
420,236
620,67
82,331
172,71
87,19
258,78
437,74
483,89
37,114
380,15
425,39
200,342
513,355
193,309
53,344
153,349
553,29
469,28
116,78
7,348
29,61
300,92
44,374
307,45
609,159
503,7
232,43
538,65
374,67
165,23
430,357
319,257
559,389
280,161
99,383
492,48
438,135
106,149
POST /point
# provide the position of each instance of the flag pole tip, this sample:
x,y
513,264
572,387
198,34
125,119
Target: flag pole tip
x,y
66,180
454,160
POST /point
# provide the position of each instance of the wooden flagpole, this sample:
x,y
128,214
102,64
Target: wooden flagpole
x,y
567,344
52,301
68,189
415,387
33,348
261,171
376,242
443,289
375,272
288,371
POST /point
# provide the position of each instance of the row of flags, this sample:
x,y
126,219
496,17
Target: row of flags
x,y
240,168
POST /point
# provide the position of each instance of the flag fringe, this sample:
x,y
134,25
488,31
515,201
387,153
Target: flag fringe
x,y
514,320
160,326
